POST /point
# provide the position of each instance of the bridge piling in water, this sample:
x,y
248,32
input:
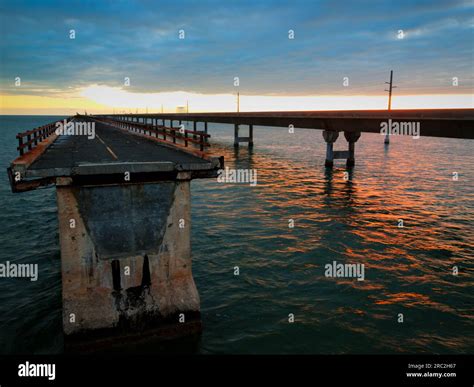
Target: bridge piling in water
x,y
126,262
351,138
330,137
238,139
236,136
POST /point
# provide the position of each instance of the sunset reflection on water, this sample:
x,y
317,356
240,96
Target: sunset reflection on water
x,y
408,270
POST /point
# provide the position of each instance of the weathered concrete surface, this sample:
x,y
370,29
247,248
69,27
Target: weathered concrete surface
x,y
121,227
351,138
330,137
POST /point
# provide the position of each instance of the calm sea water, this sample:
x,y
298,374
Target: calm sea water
x,y
407,270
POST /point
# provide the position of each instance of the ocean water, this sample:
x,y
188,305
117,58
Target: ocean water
x,y
408,270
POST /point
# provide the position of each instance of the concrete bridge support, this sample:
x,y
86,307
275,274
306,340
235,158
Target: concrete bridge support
x,y
351,138
237,139
126,259
330,137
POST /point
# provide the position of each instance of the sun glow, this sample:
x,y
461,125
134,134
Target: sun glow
x,y
104,99
123,99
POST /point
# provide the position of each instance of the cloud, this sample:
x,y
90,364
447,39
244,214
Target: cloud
x,y
249,39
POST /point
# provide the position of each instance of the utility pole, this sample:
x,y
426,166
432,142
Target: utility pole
x,y
387,136
238,102
187,106
161,108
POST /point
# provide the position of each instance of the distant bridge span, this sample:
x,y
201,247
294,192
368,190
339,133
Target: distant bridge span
x,y
451,123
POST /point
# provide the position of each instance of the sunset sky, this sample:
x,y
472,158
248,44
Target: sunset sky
x,y
428,44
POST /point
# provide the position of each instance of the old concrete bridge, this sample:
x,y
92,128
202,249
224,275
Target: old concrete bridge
x,y
123,194
124,202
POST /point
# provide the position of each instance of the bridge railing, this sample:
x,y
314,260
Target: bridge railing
x,y
169,134
33,137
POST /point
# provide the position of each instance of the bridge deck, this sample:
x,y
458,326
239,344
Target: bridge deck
x,y
110,145
105,157
450,123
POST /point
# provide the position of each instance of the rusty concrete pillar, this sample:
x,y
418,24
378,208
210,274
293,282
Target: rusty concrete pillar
x,y
351,138
330,137
126,260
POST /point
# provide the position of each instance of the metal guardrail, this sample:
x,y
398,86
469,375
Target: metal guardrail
x,y
169,134
35,136
31,138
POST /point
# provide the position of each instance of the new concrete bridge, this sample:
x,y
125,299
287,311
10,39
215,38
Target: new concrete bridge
x,y
123,195
450,123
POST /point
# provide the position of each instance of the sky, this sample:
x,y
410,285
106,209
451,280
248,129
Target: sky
x,y
59,57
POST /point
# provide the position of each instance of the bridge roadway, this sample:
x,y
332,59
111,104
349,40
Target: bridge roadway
x,y
106,157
